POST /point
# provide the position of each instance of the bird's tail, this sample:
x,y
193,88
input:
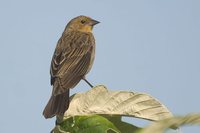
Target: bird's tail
x,y
57,105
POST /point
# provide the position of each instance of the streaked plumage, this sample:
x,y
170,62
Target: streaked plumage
x,y
72,60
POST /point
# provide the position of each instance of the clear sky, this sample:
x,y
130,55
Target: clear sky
x,y
150,46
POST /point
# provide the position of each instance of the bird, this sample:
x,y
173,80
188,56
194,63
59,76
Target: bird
x,y
72,60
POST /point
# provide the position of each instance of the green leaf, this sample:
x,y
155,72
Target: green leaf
x,y
161,126
86,124
123,126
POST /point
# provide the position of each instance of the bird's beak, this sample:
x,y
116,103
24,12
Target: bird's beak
x,y
93,22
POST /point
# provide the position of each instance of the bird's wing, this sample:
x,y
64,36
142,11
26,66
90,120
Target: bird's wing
x,y
71,61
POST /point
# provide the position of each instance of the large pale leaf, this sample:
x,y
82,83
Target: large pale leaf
x,y
161,126
99,100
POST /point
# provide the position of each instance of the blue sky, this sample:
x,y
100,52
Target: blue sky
x,y
144,46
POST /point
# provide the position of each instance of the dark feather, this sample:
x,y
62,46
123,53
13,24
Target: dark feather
x,y
57,105
72,60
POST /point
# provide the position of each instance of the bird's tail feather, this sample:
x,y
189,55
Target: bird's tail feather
x,y
57,105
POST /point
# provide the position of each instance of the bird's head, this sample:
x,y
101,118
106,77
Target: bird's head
x,y
81,23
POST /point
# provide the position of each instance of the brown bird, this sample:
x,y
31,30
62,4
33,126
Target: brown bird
x,y
72,60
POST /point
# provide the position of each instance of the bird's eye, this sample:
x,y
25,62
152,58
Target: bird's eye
x,y
83,21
